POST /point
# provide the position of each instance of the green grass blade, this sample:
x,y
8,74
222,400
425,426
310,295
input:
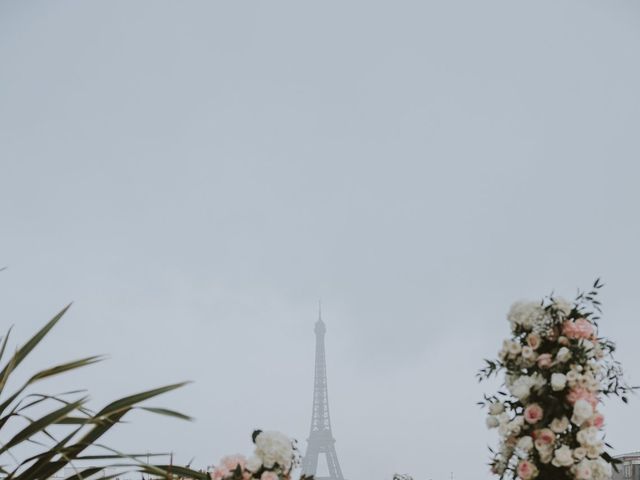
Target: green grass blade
x,y
130,401
49,372
23,351
167,412
182,472
65,367
42,458
4,343
85,473
40,424
103,424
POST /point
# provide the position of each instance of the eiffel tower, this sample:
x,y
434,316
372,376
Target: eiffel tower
x,y
321,441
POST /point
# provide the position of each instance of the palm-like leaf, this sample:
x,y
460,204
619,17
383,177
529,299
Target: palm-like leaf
x,y
63,411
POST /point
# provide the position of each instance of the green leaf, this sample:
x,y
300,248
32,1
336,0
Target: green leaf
x,y
167,412
40,424
65,367
23,351
4,342
85,473
179,471
127,402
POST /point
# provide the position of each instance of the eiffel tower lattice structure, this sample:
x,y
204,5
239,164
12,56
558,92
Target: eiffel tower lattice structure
x,y
321,441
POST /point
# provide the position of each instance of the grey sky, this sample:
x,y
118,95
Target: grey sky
x,y
195,175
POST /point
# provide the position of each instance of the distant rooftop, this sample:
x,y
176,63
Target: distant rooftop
x,y
629,455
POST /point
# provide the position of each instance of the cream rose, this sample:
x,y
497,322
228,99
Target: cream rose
x,y
582,411
562,457
563,355
559,425
525,443
558,382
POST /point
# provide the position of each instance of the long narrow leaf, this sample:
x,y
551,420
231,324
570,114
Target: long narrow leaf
x,y
44,457
64,367
41,423
128,402
85,473
23,351
87,440
167,412
121,455
181,472
4,342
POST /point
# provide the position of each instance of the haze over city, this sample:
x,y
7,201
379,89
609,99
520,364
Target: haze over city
x,y
196,176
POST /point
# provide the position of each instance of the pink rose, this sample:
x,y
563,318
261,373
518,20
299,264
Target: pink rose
x,y
580,328
545,360
597,420
533,413
582,394
219,473
527,470
230,462
543,438
268,476
533,340
583,471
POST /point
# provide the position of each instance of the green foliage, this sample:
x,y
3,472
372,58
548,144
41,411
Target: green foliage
x,y
34,422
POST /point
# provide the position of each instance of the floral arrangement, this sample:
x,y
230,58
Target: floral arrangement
x,y
556,370
274,458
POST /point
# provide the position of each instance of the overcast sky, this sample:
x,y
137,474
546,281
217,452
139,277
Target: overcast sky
x,y
195,175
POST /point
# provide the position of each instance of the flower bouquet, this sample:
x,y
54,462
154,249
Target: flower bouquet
x,y
556,371
274,458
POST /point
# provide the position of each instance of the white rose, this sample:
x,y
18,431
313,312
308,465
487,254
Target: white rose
x,y
559,425
558,382
579,453
514,349
525,443
563,354
515,427
496,408
528,353
563,306
583,470
588,347
521,387
594,451
538,382
274,448
545,454
582,411
525,314
503,418
492,422
254,463
572,377
601,469
592,385
563,457
588,437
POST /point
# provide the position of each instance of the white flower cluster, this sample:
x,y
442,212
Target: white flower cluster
x,y
550,425
275,449
274,458
525,315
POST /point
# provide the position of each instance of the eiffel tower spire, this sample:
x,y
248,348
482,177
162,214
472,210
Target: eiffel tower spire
x,y
321,441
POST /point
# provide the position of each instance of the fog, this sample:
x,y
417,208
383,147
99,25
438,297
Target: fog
x,y
196,176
